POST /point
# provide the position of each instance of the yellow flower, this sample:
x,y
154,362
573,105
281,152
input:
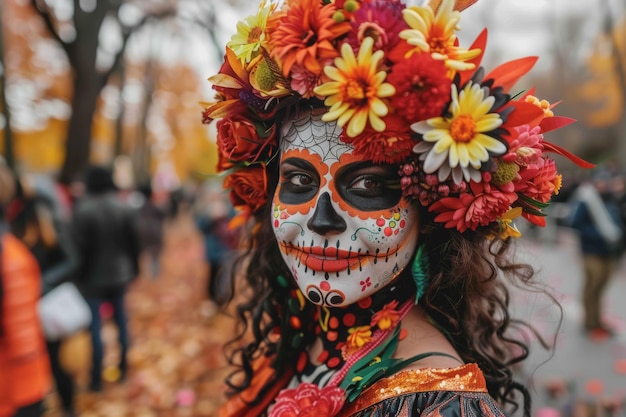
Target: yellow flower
x,y
542,104
355,90
435,34
358,336
251,34
558,183
507,228
458,144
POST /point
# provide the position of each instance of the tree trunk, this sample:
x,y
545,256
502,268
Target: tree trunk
x,y
8,134
79,132
88,83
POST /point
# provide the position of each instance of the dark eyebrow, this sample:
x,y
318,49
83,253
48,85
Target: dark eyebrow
x,y
299,163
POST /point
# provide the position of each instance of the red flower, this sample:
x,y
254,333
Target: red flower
x,y
237,74
381,21
304,81
539,182
223,164
422,87
238,139
248,187
387,317
469,211
308,400
391,146
527,147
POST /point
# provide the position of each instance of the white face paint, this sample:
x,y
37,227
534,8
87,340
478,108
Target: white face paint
x,y
343,228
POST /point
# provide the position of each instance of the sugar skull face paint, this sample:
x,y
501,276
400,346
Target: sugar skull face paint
x,y
343,228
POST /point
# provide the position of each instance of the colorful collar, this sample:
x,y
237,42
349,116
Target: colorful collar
x,y
344,331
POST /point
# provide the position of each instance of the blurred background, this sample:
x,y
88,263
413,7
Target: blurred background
x,y
121,83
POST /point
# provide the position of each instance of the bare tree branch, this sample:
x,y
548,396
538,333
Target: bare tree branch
x,y
45,14
127,32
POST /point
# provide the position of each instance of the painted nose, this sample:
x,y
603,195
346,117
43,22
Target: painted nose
x,y
325,219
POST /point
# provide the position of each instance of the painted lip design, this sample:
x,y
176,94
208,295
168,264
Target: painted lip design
x,y
331,259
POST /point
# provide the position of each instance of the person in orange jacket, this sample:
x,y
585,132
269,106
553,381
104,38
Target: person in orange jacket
x,y
25,375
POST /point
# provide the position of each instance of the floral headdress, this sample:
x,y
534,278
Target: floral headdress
x,y
404,91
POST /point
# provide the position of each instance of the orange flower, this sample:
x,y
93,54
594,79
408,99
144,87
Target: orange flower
x,y
304,35
387,317
357,337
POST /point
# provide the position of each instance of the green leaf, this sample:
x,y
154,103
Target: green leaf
x,y
532,201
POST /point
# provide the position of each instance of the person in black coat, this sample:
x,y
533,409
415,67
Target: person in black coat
x,y
105,231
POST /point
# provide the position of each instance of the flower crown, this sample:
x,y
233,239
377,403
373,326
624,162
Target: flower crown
x,y
404,91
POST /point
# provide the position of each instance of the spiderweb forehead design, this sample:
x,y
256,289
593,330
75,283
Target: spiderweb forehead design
x,y
310,132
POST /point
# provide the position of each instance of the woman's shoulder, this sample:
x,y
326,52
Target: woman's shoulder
x,y
445,390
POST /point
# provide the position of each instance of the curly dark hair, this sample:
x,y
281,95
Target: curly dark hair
x,y
467,298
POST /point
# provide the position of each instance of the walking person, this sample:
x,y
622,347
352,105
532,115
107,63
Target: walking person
x,y
35,218
213,213
597,218
105,231
25,376
151,220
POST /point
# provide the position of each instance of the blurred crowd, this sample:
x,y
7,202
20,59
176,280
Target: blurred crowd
x,y
99,234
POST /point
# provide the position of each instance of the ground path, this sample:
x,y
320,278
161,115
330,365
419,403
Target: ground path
x,y
175,361
586,374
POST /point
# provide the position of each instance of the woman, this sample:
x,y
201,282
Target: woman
x,y
380,170
25,377
35,218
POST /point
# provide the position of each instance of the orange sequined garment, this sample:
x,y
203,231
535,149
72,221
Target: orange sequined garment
x,y
445,392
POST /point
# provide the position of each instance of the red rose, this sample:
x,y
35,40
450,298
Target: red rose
x,y
240,140
223,164
248,187
308,400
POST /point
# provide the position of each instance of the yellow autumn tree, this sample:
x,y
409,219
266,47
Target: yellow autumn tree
x,y
605,90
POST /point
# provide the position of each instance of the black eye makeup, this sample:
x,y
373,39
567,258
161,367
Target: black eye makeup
x,y
299,181
369,187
